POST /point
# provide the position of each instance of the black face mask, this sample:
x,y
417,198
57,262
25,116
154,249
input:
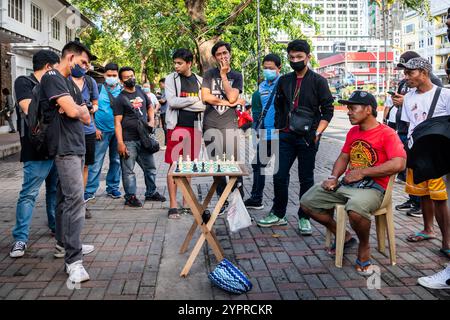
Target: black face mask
x,y
298,66
130,83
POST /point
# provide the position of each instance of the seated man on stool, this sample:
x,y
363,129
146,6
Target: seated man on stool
x,y
371,154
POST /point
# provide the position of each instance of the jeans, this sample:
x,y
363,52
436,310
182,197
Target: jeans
x,y
70,210
147,163
164,126
259,180
292,147
113,177
34,174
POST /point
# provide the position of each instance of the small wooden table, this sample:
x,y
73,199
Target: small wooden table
x,y
181,179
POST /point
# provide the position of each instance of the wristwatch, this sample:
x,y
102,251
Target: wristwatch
x,y
332,178
318,134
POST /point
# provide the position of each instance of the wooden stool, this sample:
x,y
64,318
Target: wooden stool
x,y
384,220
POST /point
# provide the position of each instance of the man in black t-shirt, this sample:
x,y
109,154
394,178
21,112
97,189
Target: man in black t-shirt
x,y
65,114
37,167
183,118
220,92
132,104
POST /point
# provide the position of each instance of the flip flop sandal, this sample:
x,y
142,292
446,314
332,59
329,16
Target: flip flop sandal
x,y
347,245
173,214
445,252
419,236
363,267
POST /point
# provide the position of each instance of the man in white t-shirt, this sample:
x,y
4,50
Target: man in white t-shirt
x,y
417,105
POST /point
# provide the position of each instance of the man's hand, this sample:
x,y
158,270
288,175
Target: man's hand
x,y
151,123
398,100
239,102
354,176
330,184
224,68
94,109
122,149
98,135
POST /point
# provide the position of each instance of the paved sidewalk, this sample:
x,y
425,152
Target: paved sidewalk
x,y
137,257
9,144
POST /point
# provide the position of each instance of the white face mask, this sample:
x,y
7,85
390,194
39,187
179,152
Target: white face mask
x,y
111,81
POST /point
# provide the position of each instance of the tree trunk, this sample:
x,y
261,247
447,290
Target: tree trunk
x,y
205,59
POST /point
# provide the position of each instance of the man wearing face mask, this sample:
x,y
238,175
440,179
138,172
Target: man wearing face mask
x,y
132,103
37,167
65,113
147,90
303,110
264,122
106,137
89,91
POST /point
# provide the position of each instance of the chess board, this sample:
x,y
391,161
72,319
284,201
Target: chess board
x,y
226,169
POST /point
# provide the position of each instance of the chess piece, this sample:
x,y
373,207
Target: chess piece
x,y
218,168
224,158
232,159
203,167
177,169
195,168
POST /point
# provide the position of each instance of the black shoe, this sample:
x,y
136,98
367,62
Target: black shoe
x,y
155,197
415,212
224,207
406,206
88,214
253,204
132,201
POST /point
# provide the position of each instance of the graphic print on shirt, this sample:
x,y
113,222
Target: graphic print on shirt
x,y
362,155
137,104
217,92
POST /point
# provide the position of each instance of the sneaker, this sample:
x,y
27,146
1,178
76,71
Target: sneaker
x,y
414,212
114,194
224,207
88,197
132,201
405,206
88,214
253,204
440,280
155,197
76,272
162,148
60,252
272,220
18,249
304,226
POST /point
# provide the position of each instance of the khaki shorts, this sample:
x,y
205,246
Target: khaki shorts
x,y
362,201
435,188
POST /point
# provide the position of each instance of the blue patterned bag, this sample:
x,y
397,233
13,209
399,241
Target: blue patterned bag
x,y
229,278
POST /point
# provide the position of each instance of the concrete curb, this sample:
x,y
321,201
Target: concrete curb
x,y
9,149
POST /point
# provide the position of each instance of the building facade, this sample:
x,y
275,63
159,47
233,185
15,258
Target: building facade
x,y
27,26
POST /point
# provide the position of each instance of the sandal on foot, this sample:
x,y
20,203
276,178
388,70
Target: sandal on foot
x,y
173,214
419,236
363,267
445,252
347,245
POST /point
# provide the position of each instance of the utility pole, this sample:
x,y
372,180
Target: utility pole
x,y
386,69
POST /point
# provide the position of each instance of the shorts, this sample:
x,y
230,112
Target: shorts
x,y
91,140
435,188
185,141
362,201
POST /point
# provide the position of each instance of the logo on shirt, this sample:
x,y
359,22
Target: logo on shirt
x,y
362,155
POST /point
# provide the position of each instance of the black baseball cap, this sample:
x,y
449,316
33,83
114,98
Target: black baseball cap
x,y
360,97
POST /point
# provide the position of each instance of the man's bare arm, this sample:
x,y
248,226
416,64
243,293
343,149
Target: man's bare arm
x,y
24,105
74,111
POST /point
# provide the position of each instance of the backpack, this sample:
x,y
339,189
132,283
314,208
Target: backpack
x,y
37,129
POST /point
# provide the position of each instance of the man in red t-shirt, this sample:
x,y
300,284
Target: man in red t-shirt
x,y
371,154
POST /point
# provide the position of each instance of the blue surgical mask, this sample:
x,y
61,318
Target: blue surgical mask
x,y
78,72
269,75
111,81
146,90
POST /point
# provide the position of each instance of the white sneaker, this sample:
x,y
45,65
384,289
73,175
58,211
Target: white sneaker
x,y
18,249
76,272
440,280
60,252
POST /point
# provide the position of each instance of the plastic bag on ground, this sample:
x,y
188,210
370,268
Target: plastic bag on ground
x,y
237,216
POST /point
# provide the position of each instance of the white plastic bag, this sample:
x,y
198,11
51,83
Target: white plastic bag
x,y
237,216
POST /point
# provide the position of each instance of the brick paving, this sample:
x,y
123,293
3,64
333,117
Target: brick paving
x,y
136,254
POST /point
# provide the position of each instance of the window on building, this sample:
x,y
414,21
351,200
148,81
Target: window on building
x,y
36,17
430,41
421,43
68,34
56,29
15,10
409,28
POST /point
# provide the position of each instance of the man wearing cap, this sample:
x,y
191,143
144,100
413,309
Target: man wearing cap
x,y
371,154
412,205
425,97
